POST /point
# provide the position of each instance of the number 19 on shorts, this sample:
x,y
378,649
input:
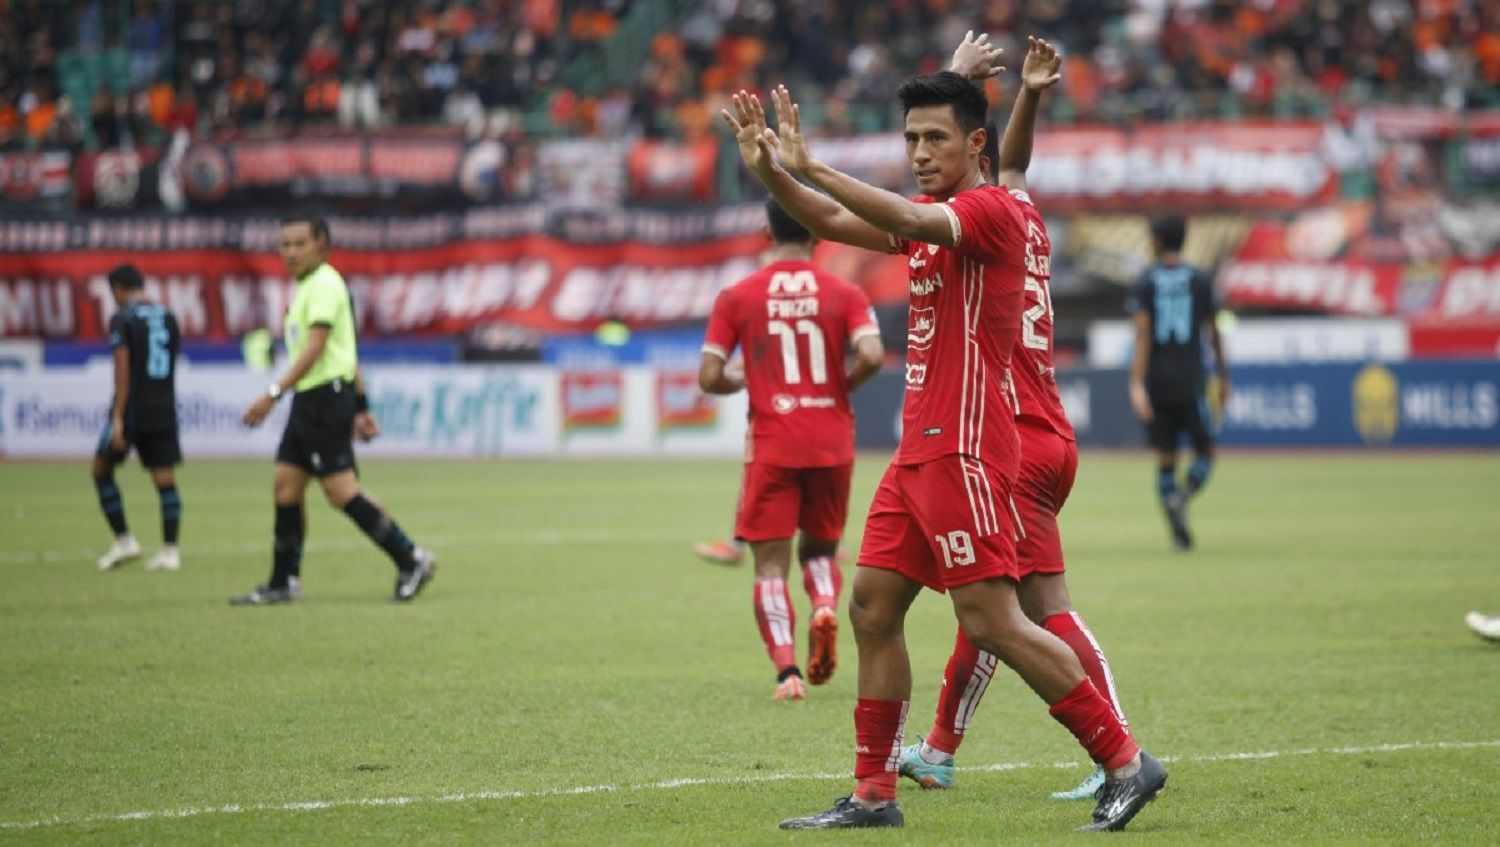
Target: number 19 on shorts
x,y
957,548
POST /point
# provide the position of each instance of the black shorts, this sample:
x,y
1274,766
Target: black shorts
x,y
158,449
1171,418
319,434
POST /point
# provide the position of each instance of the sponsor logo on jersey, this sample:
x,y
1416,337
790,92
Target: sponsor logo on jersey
x,y
916,374
784,403
922,328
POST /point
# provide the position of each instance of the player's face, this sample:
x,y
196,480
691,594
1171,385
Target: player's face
x,y
943,157
300,251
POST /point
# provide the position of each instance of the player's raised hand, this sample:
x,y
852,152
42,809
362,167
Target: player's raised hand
x,y
976,58
747,122
1042,66
787,143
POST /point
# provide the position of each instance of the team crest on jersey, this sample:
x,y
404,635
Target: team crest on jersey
x,y
932,249
922,327
784,403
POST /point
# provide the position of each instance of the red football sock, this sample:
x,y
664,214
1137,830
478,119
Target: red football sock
x,y
965,680
1091,720
1069,626
823,582
878,725
773,611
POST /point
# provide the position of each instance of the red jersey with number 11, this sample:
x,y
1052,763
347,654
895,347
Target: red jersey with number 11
x,y
793,322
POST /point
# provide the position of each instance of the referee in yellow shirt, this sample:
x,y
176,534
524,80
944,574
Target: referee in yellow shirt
x,y
328,410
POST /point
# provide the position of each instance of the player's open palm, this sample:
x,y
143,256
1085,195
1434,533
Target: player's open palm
x,y
976,58
1043,65
748,122
788,142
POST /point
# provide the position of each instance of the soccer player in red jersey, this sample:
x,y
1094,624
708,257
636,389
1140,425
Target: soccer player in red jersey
x,y
942,516
792,320
1049,458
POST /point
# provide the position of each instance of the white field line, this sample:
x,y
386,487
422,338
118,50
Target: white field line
x,y
471,796
540,538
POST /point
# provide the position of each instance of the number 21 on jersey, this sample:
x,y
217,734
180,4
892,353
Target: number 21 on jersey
x,y
1030,336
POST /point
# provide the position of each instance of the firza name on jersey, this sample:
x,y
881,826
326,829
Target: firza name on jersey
x,y
800,307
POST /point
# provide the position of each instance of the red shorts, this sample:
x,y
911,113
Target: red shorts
x,y
944,523
776,501
1049,463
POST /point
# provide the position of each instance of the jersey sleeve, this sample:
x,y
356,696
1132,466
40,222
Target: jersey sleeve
x,y
324,301
1207,300
1140,294
986,227
721,336
859,315
118,336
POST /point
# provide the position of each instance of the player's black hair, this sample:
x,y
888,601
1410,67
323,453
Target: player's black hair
x,y
785,228
318,223
991,151
946,88
128,277
1169,233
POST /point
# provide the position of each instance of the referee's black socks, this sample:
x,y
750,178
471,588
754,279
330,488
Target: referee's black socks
x,y
287,562
383,531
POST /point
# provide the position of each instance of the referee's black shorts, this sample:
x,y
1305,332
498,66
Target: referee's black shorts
x,y
1172,417
319,434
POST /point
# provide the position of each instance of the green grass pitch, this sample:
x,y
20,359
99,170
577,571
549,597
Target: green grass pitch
x,y
575,676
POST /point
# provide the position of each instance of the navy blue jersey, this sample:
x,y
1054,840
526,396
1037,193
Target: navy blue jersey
x,y
149,333
1177,299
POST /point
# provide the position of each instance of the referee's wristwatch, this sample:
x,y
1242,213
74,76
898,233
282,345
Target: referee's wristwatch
x,y
274,391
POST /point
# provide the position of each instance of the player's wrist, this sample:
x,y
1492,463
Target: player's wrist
x,y
274,391
361,402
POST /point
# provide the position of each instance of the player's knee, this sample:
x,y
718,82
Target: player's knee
x,y
872,616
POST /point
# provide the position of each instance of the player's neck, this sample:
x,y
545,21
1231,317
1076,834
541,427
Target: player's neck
x,y
973,180
1170,258
789,253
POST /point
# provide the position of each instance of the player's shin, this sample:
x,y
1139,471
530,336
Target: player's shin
x,y
878,727
965,680
1166,484
1198,473
382,530
112,504
822,581
1070,627
1093,722
171,514
287,549
774,615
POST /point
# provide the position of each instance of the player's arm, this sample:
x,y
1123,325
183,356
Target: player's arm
x,y
317,342
886,211
715,377
122,395
1038,73
1139,400
822,215
366,427
869,356
1216,343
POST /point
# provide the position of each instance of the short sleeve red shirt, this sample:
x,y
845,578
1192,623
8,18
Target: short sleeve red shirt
x,y
793,322
962,327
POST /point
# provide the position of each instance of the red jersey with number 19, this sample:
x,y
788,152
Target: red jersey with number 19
x,y
793,321
1035,377
962,327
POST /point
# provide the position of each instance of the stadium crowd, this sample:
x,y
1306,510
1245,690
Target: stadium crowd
x,y
100,73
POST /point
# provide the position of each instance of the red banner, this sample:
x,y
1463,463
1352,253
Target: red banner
x,y
661,170
681,404
536,281
1278,269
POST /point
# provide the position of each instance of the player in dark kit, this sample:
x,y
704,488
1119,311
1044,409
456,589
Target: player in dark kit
x,y
1174,307
793,320
143,337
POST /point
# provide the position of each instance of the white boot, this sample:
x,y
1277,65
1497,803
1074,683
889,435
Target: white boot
x,y
166,559
123,550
